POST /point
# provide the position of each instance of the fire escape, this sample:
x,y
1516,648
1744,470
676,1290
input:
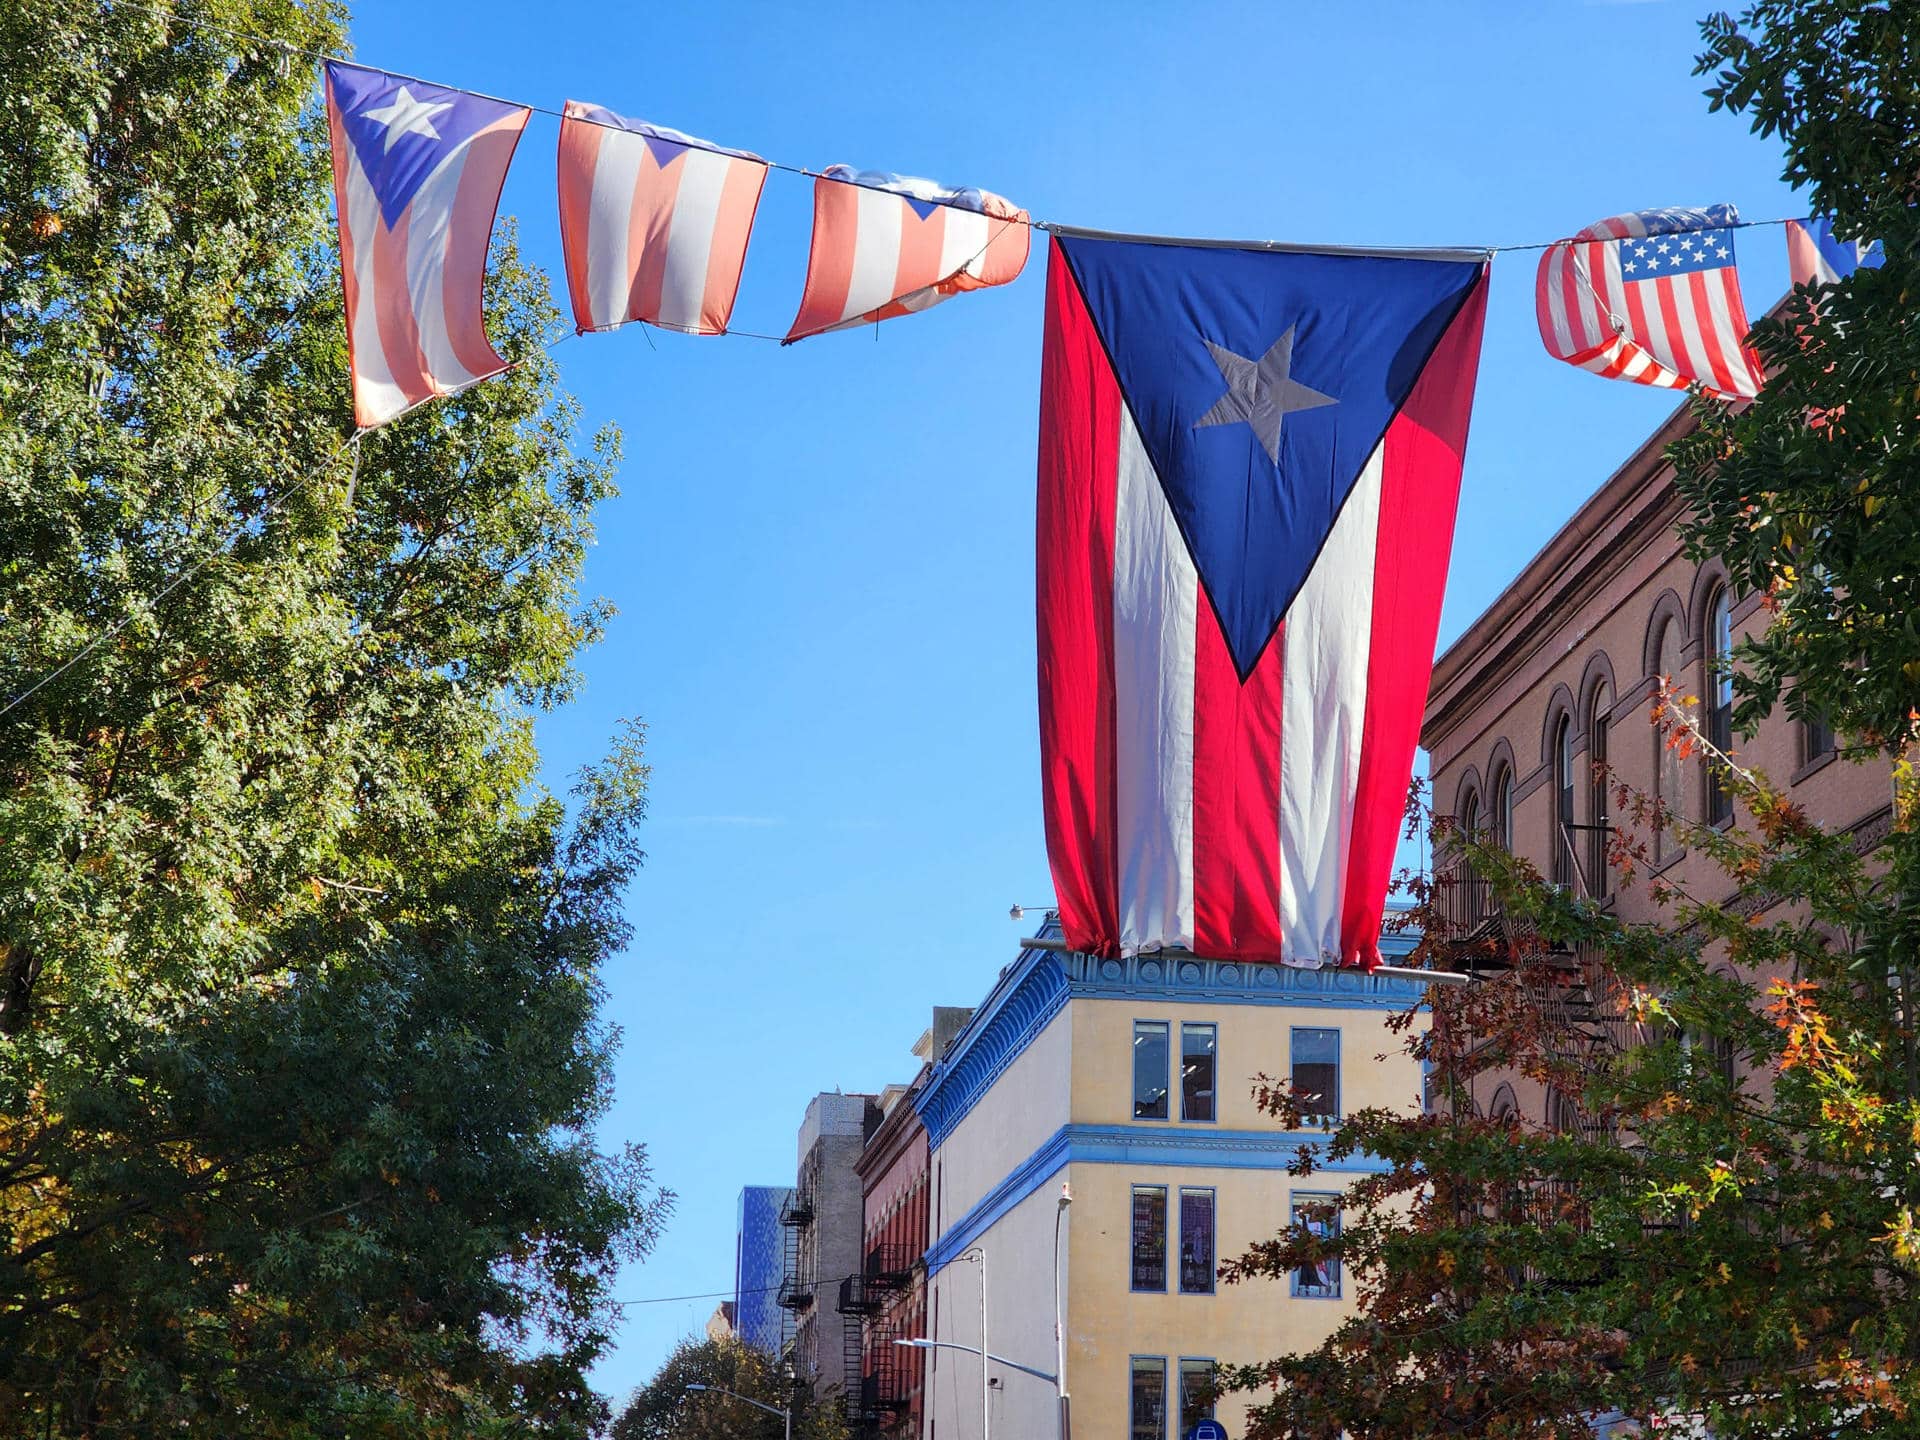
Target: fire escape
x,y
870,1323
796,1216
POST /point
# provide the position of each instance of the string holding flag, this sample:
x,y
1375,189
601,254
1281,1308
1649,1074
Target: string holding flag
x,y
1652,297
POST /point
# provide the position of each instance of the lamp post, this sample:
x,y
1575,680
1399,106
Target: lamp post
x,y
1060,1319
922,1343
786,1415
979,1257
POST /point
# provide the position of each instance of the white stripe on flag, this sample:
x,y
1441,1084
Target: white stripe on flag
x,y
1155,604
1727,335
431,219
1557,302
1328,638
616,173
374,384
876,254
696,210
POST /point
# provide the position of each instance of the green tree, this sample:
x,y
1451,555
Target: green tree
x,y
299,968
664,1409
1723,1226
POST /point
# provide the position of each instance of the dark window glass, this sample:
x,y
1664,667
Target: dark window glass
x,y
1148,1410
1149,1069
1563,801
1720,712
1819,740
1150,1237
1667,776
1316,1073
1196,1393
1197,1046
1319,1215
1503,810
1196,1242
1598,879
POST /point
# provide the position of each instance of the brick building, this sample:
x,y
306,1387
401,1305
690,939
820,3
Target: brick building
x,y
1563,669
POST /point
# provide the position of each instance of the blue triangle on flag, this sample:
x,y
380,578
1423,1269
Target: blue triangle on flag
x,y
1261,382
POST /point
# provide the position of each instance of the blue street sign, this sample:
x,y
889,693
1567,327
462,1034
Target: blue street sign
x,y
1208,1430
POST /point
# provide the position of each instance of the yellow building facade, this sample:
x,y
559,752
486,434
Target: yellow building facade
x,y
1131,1081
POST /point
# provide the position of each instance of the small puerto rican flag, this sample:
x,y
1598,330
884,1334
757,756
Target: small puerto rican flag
x,y
417,171
1817,257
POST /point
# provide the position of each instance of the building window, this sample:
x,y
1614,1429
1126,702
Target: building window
x,y
1720,710
1147,1406
1563,801
1316,1073
1197,1046
1150,1237
1196,1392
1319,1216
1816,741
1502,816
1150,1069
1667,778
1598,878
1196,1242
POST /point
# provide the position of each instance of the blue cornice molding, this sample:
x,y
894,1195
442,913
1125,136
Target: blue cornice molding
x,y
1175,975
1029,994
1190,1147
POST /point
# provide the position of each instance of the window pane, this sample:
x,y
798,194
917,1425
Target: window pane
x,y
1196,1242
1318,1279
1720,713
1150,1237
1598,878
1316,1073
1197,1043
1149,1408
1149,1069
1196,1393
1819,740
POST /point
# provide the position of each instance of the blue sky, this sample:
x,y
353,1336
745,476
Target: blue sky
x,y
823,555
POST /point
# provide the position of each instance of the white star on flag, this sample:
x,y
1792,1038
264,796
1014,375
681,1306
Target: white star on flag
x,y
407,116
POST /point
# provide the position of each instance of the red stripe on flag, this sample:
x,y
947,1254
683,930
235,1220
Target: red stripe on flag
x,y
656,190
1236,798
393,311
1080,413
836,226
477,200
1425,448
579,152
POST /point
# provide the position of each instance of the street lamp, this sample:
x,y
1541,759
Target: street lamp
x,y
979,1257
786,1415
1059,1318
925,1344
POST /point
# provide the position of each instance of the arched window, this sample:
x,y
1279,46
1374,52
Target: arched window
x,y
1719,702
1465,891
1470,813
1562,839
1597,876
1501,817
1667,779
1504,1107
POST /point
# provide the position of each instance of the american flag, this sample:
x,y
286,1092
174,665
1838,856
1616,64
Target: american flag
x,y
1652,297
891,245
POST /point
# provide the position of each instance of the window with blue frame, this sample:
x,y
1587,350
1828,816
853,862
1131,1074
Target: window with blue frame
x,y
1150,1069
1196,1242
1316,1073
1319,1216
1147,1398
1196,1392
1149,1268
1198,1044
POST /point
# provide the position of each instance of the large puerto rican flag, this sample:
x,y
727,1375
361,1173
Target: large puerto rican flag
x,y
1249,466
417,171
